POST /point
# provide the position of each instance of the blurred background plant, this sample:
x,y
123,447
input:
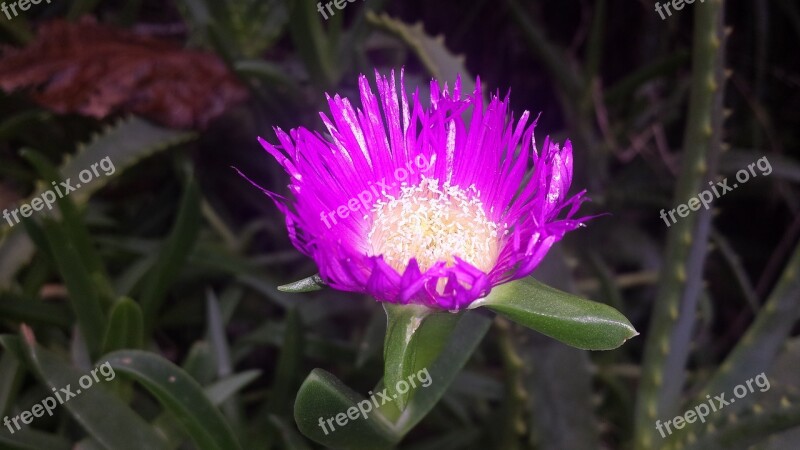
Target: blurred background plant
x,y
168,269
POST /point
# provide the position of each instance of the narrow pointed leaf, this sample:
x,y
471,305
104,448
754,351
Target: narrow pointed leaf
x,y
172,257
310,284
125,327
72,223
82,293
30,439
104,416
180,394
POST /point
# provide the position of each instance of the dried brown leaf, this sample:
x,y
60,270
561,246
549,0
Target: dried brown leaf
x,y
94,70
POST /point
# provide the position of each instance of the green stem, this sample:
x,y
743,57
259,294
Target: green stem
x,y
513,425
673,316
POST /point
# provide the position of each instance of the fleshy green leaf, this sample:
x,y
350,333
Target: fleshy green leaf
x,y
321,397
125,327
565,317
462,341
415,335
104,416
179,394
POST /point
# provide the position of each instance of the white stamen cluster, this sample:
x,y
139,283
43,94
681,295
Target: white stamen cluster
x,y
433,224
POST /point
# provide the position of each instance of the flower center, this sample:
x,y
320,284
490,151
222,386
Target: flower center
x,y
432,225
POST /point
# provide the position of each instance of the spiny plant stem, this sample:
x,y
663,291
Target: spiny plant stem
x,y
681,280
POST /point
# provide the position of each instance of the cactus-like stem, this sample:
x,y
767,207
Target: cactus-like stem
x,y
759,346
680,285
742,432
516,396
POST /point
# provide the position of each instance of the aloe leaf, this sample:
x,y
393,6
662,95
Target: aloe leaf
x,y
434,54
565,317
180,394
124,144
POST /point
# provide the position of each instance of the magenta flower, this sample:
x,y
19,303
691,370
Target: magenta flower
x,y
420,205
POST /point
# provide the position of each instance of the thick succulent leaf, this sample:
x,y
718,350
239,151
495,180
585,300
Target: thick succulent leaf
x,y
461,344
322,397
415,335
565,317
